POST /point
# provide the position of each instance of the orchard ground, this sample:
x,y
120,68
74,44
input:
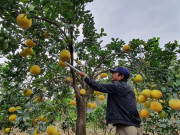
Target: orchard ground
x,y
90,131
110,130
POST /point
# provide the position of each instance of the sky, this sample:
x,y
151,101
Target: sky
x,y
143,19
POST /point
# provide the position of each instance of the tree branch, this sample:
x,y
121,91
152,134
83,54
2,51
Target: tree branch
x,y
54,23
104,71
104,60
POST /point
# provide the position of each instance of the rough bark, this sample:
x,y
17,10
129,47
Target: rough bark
x,y
81,117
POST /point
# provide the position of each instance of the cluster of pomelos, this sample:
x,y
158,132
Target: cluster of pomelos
x,y
12,110
28,50
13,116
89,104
25,23
64,57
152,100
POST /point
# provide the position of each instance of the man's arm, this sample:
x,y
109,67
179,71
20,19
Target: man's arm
x,y
105,88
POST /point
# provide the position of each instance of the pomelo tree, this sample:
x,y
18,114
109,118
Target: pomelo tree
x,y
37,82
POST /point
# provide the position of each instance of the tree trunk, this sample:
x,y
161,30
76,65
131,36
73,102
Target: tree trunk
x,y
81,117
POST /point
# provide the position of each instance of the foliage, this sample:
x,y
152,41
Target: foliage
x,y
97,118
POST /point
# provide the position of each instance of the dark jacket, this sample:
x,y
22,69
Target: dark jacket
x,y
121,102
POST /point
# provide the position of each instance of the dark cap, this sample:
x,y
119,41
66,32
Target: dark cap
x,y
122,71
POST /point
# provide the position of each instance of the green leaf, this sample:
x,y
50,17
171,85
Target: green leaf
x,y
31,8
24,1
102,30
104,34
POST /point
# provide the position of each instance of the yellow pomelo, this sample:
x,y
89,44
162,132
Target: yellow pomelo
x,y
55,132
162,114
174,104
100,93
23,21
156,94
62,64
35,69
96,92
45,119
148,63
156,106
82,91
135,91
138,78
37,99
126,48
12,117
70,79
50,129
40,118
93,105
46,34
101,97
141,99
42,99
73,102
144,113
103,75
23,53
7,130
36,131
161,101
146,92
74,95
30,43
65,55
18,108
89,104
147,104
28,51
28,92
140,114
79,62
12,109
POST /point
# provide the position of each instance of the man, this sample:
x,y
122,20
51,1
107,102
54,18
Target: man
x,y
121,103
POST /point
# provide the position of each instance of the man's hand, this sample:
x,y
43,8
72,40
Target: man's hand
x,y
82,74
